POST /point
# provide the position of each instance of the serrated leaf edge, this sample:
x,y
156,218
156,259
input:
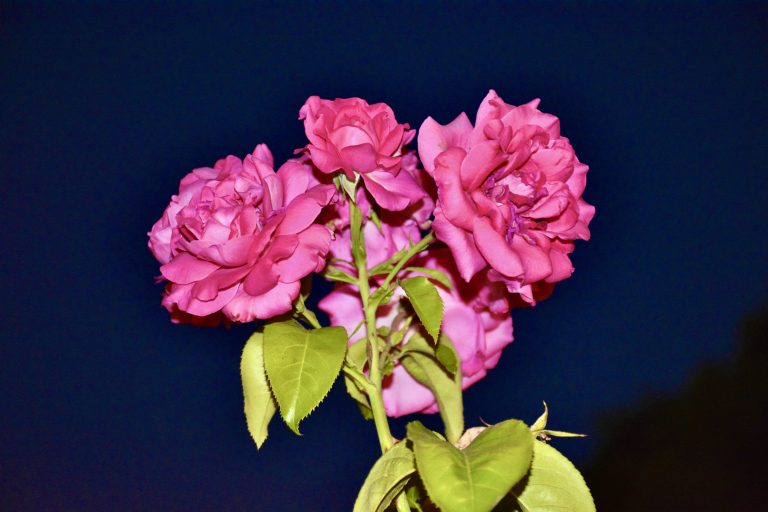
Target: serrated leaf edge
x,y
396,487
295,428
436,335
259,444
578,474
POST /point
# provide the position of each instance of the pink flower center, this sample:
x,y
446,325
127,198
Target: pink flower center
x,y
515,192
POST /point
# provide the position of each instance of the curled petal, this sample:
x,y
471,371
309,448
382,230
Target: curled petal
x,y
186,269
182,297
496,250
309,255
461,243
435,138
303,210
295,176
457,206
232,253
393,192
275,301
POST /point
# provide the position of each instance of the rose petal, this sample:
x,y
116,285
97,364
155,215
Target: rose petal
x,y
295,178
485,112
232,253
326,161
403,395
186,269
435,138
303,210
208,288
462,324
275,301
183,297
495,249
393,192
535,259
360,158
468,259
264,273
309,255
480,161
457,206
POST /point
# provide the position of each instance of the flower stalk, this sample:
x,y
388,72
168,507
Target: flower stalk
x,y
370,308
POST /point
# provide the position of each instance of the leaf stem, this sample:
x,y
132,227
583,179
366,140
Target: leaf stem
x,y
310,317
413,251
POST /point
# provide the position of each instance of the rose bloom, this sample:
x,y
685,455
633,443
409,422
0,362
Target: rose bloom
x,y
239,237
476,319
509,194
349,136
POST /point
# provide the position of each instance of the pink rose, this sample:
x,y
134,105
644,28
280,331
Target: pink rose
x,y
509,194
350,136
238,238
476,320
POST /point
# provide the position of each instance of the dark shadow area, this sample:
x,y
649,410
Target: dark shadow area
x,y
702,448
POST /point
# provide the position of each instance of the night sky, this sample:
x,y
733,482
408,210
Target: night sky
x,y
105,405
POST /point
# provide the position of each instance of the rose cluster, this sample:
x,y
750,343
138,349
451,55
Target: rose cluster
x,y
503,197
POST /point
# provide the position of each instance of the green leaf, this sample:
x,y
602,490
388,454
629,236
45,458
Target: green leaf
x,y
357,328
336,274
426,302
476,478
446,388
553,483
359,396
434,274
386,479
356,354
259,403
356,357
443,351
417,343
446,354
397,336
415,495
301,366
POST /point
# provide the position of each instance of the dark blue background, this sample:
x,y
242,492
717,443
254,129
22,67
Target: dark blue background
x,y
104,107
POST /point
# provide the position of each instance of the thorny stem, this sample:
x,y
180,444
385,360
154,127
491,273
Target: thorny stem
x,y
372,384
374,369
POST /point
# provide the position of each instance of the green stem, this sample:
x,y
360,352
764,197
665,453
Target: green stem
x,y
310,317
374,367
413,251
357,376
370,308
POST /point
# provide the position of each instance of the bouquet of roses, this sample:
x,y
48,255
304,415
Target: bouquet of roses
x,y
428,250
